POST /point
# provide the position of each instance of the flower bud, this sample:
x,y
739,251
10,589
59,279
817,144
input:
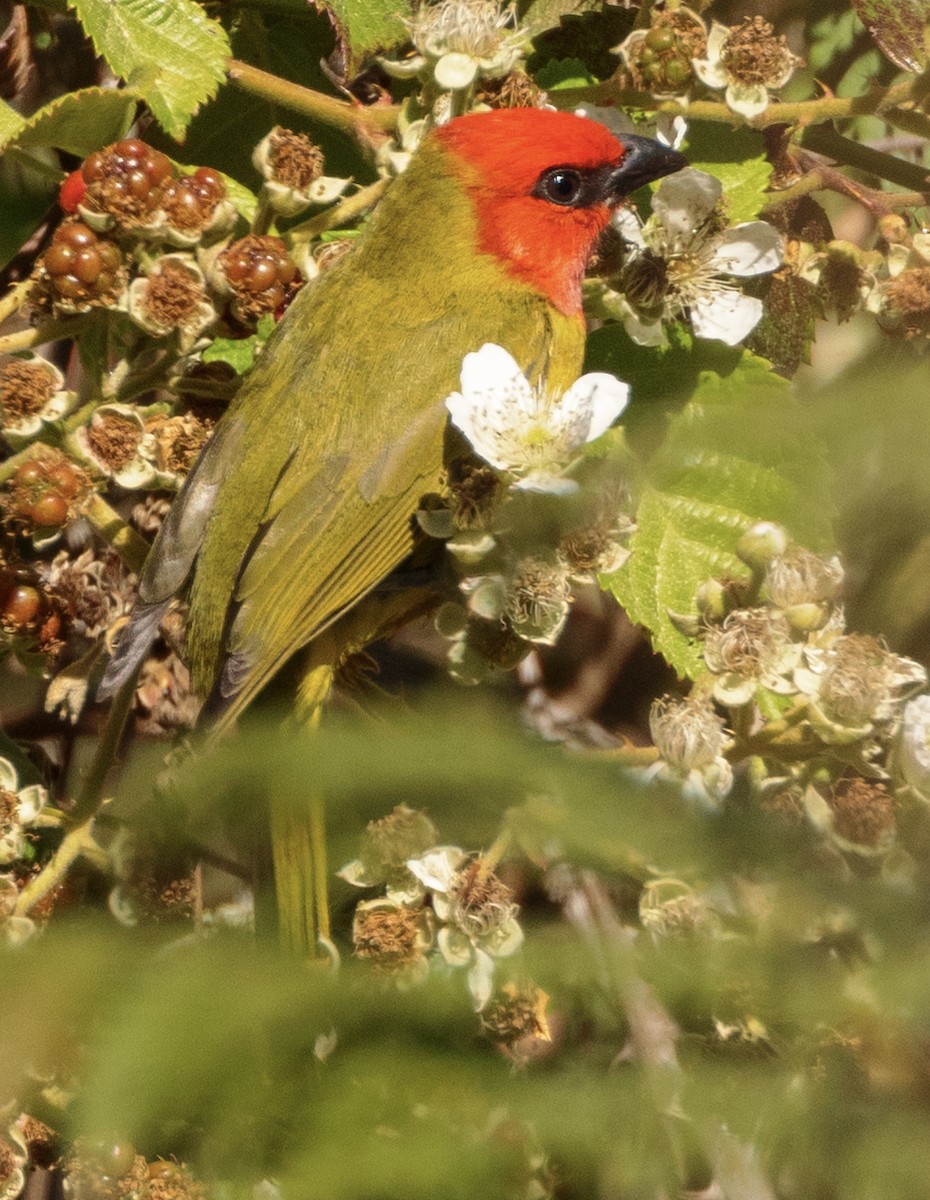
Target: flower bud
x,y
761,543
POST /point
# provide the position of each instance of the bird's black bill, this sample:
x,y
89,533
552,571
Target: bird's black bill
x,y
644,161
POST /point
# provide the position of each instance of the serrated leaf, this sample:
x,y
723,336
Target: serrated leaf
x,y
27,189
737,158
899,28
368,25
79,122
10,122
169,48
736,453
564,73
546,14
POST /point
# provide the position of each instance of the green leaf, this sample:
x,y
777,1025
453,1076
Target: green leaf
x,y
546,14
10,123
737,158
564,73
239,353
831,36
368,25
736,453
79,122
170,49
899,28
27,188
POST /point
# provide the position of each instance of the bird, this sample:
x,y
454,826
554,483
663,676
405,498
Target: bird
x,y
303,501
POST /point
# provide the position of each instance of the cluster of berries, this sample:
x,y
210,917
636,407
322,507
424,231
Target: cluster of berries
x,y
128,194
45,491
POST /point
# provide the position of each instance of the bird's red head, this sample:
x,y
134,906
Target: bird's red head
x,y
543,185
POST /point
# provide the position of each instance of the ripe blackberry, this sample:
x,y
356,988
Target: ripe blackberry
x,y
260,273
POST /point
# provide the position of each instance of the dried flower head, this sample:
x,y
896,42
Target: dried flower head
x,y
691,740
394,938
95,588
751,648
114,443
459,40
536,600
20,808
292,167
515,90
516,1012
854,684
178,442
747,60
383,852
863,812
905,302
31,395
670,908
172,298
476,911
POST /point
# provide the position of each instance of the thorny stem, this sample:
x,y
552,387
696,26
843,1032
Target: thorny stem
x,y
801,113
53,331
341,213
78,843
350,118
132,548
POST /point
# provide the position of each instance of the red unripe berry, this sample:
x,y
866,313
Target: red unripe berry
x,y
72,191
62,479
29,474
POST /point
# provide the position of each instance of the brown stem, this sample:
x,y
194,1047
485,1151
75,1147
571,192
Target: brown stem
x,y
350,118
340,214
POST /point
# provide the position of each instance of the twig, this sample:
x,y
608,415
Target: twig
x,y
350,118
340,214
78,843
800,113
52,331
14,299
132,548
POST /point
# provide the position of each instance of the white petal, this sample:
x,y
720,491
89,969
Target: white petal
x,y
616,121
326,189
711,74
504,941
644,333
8,777
356,873
495,401
481,979
32,800
405,69
603,396
12,844
753,248
455,70
629,226
750,100
487,600
454,947
545,484
436,867
726,315
684,200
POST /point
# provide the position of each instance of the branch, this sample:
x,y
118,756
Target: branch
x,y
804,112
354,119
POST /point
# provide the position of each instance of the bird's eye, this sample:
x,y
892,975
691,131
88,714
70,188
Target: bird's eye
x,y
561,186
